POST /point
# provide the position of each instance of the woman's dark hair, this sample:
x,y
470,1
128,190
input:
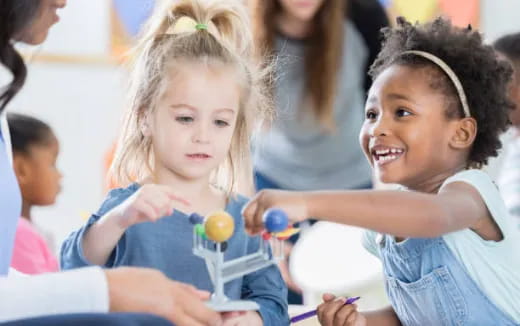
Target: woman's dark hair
x,y
26,131
15,16
482,74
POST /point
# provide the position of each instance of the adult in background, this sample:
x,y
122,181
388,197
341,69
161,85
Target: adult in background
x,y
322,57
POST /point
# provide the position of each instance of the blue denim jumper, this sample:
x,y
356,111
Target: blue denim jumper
x,y
427,285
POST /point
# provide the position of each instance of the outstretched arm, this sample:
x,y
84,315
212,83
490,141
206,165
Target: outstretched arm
x,y
401,213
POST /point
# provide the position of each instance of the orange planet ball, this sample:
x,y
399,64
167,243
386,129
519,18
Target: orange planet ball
x,y
219,226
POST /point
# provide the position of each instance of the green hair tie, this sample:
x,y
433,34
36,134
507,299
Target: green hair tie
x,y
201,26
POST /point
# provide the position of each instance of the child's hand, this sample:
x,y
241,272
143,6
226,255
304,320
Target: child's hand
x,y
293,203
149,203
334,312
242,318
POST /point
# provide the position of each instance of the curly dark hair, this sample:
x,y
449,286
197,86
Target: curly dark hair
x,y
482,74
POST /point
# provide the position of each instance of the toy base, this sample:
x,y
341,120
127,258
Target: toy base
x,y
239,305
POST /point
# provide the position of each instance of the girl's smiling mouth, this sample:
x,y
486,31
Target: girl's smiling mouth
x,y
382,155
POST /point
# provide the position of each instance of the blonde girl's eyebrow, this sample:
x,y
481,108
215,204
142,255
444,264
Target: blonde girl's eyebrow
x,y
190,107
183,106
224,110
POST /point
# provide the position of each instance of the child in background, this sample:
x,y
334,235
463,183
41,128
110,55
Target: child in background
x,y
433,116
509,178
194,94
35,150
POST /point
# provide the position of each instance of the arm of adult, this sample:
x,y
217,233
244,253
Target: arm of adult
x,y
92,289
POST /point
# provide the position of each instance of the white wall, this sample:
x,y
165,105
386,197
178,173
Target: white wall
x,y
499,17
82,30
82,102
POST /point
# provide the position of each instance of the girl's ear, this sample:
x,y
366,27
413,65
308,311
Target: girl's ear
x,y
465,133
145,125
22,168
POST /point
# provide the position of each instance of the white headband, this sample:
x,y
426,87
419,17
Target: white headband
x,y
451,74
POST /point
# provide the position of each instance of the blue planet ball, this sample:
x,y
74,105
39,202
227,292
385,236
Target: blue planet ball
x,y
275,220
196,219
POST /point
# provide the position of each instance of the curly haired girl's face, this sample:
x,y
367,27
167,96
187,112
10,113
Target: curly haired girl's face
x,y
406,135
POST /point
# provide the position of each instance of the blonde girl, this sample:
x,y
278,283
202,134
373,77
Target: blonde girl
x,y
194,94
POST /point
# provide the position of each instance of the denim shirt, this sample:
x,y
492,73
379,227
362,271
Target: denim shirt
x,y
167,246
427,285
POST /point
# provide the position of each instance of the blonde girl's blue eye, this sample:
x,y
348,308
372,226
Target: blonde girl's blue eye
x,y
221,123
184,119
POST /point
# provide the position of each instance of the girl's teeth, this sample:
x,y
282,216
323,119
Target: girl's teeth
x,y
388,151
387,158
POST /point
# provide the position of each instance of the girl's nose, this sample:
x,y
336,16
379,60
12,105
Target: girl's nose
x,y
201,134
381,127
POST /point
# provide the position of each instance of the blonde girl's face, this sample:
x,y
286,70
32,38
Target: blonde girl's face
x,y
194,121
303,10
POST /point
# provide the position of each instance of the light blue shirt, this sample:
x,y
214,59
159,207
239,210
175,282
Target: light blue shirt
x,y
167,246
10,201
296,152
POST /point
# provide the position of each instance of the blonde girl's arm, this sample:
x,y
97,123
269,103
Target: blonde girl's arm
x,y
148,204
102,237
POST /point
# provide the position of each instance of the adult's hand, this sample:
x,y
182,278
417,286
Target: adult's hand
x,y
150,291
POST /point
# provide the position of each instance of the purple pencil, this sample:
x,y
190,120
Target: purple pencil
x,y
311,313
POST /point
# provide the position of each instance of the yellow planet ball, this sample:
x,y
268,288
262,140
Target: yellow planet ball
x,y
219,226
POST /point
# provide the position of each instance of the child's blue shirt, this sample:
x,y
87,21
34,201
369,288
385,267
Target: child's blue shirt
x,y
166,245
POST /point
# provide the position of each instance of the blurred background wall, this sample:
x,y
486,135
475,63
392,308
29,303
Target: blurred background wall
x,y
76,84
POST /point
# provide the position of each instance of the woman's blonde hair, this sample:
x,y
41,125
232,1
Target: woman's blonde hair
x,y
323,50
225,38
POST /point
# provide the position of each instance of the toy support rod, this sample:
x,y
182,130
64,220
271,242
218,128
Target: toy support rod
x,y
210,237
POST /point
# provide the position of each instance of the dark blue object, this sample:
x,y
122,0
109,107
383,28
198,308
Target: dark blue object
x,y
196,219
223,247
275,220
